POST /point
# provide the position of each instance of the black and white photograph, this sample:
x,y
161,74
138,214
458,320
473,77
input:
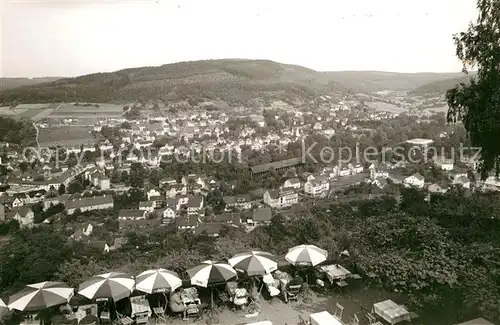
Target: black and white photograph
x,y
180,162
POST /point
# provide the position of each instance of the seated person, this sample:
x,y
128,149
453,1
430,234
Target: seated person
x,y
89,319
231,287
240,297
177,305
271,284
104,313
297,280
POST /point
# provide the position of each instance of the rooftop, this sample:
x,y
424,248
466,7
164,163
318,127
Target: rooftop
x,y
420,141
276,165
89,201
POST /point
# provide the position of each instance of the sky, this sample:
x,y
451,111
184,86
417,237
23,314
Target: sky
x,y
69,38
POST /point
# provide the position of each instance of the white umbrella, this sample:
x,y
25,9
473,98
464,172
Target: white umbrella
x,y
159,280
254,262
306,255
41,295
112,285
209,272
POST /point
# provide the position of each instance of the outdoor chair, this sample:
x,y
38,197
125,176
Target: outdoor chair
x,y
123,319
160,315
105,317
141,318
340,285
223,300
355,320
292,293
193,311
339,310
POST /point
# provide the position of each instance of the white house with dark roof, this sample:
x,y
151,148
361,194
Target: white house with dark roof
x,y
283,198
229,218
167,181
242,202
152,192
292,183
147,206
380,182
175,189
194,204
415,180
436,189
102,202
318,186
24,215
83,233
210,229
169,214
99,245
462,181
378,171
443,163
187,222
344,171
104,182
356,168
260,216
330,172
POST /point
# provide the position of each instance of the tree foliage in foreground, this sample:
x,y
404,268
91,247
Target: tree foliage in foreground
x,y
477,105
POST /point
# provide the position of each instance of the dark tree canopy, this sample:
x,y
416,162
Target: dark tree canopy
x,y
477,104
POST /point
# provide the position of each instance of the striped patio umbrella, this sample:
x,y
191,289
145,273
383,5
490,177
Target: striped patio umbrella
x,y
159,280
254,263
112,285
41,295
4,310
209,272
306,255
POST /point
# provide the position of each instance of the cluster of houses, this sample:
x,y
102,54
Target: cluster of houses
x,y
182,204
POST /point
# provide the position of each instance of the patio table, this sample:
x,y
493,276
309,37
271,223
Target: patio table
x,y
324,318
391,312
335,272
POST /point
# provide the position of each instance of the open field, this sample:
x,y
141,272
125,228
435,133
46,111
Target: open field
x,y
440,109
65,135
59,114
36,115
386,107
8,112
35,106
34,112
71,107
